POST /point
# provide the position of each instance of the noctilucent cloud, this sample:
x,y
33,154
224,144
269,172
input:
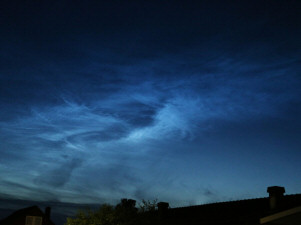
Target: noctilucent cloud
x,y
187,102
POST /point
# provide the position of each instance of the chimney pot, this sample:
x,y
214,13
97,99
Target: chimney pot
x,y
275,196
163,209
162,206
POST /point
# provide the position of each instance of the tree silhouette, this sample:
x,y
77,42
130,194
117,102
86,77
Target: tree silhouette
x,y
125,213
105,215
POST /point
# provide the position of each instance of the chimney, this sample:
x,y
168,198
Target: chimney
x,y
47,212
163,209
275,196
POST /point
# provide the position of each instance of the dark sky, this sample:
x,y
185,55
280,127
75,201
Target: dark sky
x,y
188,102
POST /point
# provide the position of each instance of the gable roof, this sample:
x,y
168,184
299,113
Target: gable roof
x,y
19,216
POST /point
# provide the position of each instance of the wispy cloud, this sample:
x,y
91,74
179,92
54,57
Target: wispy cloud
x,y
69,136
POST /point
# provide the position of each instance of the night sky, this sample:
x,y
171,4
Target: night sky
x,y
188,102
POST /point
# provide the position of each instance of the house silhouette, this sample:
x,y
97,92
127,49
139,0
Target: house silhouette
x,y
29,216
277,209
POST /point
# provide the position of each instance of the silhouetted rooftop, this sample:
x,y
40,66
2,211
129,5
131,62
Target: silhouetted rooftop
x,y
19,216
248,211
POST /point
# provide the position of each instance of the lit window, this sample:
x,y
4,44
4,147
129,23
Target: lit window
x,y
33,220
